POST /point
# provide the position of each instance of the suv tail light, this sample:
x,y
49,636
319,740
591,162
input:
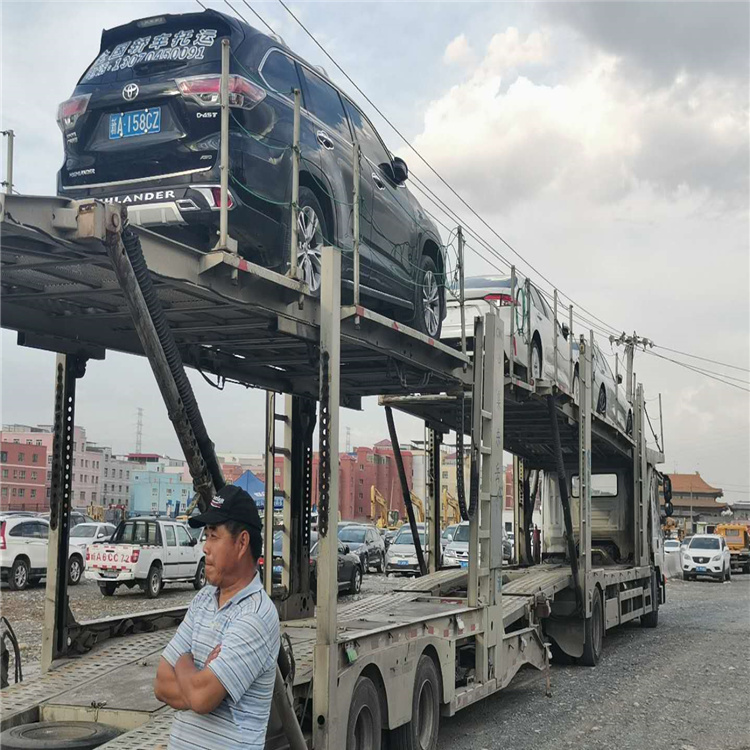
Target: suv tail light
x,y
69,111
134,555
88,555
216,195
504,300
206,91
2,534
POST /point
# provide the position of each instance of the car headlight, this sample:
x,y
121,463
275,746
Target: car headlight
x,y
450,552
716,558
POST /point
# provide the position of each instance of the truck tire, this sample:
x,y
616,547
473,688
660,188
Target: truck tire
x,y
58,735
594,633
153,582
364,726
108,589
75,570
421,733
18,580
200,576
651,620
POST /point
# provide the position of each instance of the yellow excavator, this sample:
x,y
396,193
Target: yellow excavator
x,y
418,507
386,518
451,512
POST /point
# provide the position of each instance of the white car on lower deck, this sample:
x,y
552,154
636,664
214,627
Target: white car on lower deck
x,y
707,555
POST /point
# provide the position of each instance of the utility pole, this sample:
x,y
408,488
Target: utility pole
x,y
630,343
8,181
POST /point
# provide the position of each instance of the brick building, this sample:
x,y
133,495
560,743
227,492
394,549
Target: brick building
x,y
24,476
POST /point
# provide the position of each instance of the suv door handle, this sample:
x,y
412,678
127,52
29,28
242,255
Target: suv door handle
x,y
324,140
378,182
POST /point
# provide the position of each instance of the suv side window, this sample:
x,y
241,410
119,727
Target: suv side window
x,y
22,529
368,139
183,538
325,103
169,534
280,72
41,530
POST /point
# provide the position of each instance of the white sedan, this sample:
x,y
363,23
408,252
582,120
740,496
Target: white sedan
x,y
90,532
672,545
707,555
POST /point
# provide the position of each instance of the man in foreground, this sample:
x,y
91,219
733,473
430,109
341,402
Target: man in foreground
x,y
219,668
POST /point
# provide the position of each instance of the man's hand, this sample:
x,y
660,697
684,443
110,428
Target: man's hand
x,y
202,689
166,687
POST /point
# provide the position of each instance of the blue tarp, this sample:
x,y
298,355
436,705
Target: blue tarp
x,y
257,491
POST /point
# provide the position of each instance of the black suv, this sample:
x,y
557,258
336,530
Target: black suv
x,y
142,129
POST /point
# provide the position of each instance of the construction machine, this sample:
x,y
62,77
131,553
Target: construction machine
x,y
451,513
386,518
418,507
737,536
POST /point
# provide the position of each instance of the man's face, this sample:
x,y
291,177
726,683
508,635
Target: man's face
x,y
223,553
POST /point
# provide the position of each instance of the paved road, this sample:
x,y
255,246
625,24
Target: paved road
x,y
684,685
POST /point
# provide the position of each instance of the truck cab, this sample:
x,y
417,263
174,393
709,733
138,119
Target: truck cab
x,y
737,538
148,552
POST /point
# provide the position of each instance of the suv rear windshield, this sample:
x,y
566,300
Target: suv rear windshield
x,y
138,532
150,51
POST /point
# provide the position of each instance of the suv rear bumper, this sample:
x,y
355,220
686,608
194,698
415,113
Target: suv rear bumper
x,y
123,575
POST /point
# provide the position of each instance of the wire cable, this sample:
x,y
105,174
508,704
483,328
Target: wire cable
x,y
257,15
704,359
698,370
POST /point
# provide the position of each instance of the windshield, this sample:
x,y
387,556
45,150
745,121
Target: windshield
x,y
354,534
462,533
671,543
449,532
83,530
705,542
405,537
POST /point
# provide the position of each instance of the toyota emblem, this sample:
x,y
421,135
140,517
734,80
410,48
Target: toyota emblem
x,y
130,92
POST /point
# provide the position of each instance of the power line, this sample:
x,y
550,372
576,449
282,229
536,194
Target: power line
x,y
432,169
704,359
705,373
255,12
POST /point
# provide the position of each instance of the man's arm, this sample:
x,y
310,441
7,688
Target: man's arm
x,y
201,689
166,687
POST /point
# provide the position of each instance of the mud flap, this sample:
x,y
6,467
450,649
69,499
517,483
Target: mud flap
x,y
567,633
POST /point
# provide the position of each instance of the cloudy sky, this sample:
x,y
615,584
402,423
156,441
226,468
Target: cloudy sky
x,y
606,142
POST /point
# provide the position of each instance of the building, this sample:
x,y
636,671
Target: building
x,y
158,492
697,505
114,475
24,476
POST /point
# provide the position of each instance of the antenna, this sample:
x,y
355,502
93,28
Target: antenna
x,y
139,432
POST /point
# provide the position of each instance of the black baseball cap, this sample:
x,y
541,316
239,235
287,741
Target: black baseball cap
x,y
231,503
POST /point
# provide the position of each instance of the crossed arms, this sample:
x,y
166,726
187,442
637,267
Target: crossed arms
x,y
184,686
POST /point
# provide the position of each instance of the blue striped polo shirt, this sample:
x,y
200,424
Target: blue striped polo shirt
x,y
247,627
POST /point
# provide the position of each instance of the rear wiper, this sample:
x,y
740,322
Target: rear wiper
x,y
158,66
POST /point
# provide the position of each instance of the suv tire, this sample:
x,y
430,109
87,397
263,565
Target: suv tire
x,y
310,243
428,316
153,584
18,580
200,576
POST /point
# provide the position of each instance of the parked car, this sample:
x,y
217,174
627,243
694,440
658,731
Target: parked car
x,y
278,541
366,542
81,536
402,554
707,555
684,543
389,536
447,536
142,129
484,294
148,552
456,554
350,570
672,545
23,552
76,517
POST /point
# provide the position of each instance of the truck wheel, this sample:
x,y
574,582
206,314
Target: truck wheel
x,y
153,582
421,733
363,729
18,579
593,633
75,570
58,735
200,576
108,589
651,620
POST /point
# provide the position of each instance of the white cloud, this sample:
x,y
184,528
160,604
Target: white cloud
x,y
508,50
459,51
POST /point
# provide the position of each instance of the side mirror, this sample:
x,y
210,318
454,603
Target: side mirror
x,y
400,171
668,509
193,541
565,331
667,490
450,537
619,378
346,549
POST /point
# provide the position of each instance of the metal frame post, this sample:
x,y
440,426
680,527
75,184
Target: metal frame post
x,y
661,426
268,529
584,469
355,208
476,445
8,183
295,184
638,477
527,325
461,290
433,499
570,347
556,327
513,302
325,718
629,350
224,147
57,616
286,532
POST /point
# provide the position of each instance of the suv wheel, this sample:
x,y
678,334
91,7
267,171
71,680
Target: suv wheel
x,y
312,234
75,570
200,576
18,579
429,311
153,582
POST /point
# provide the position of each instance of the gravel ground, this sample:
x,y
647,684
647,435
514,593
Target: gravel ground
x,y
25,609
683,685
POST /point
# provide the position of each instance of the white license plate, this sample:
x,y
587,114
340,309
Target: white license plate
x,y
109,573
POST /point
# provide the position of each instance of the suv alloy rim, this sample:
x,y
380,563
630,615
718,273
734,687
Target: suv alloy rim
x,y
309,242
431,303
20,576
